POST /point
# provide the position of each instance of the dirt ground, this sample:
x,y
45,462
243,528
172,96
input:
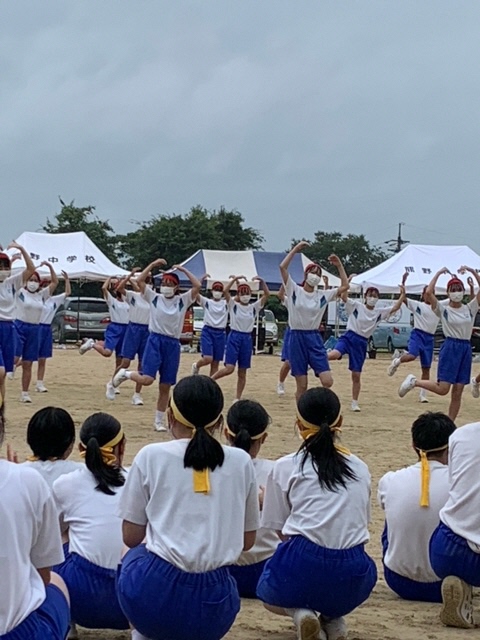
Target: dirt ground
x,y
379,435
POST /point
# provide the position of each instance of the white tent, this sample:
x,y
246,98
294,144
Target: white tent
x,y
73,253
421,261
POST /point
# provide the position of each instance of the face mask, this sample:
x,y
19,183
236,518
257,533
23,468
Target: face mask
x,y
32,286
371,301
456,296
168,292
5,274
244,299
313,279
217,295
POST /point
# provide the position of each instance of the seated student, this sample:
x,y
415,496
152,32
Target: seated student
x,y
412,499
318,500
34,602
247,423
87,501
455,544
51,436
196,502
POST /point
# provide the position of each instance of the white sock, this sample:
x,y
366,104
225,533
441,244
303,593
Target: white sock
x,y
39,382
136,635
159,416
128,374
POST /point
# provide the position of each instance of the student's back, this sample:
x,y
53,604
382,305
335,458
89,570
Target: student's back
x,y
51,470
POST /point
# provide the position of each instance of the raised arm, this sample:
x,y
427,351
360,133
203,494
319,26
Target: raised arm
x,y
471,286
106,287
474,273
196,284
265,289
53,277
430,290
285,263
400,300
29,266
68,286
281,293
144,274
229,285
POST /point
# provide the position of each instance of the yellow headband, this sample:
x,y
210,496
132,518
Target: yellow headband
x,y
106,450
425,474
257,437
311,429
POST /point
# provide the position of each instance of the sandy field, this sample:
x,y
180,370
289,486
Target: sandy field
x,y
379,435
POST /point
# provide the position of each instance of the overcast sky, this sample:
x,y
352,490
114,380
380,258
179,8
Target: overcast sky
x,y
304,116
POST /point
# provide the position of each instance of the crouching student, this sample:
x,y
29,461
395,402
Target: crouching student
x,y
455,544
318,500
247,423
34,603
412,499
87,501
178,494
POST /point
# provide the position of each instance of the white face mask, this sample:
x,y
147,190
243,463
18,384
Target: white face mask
x,y
244,299
217,295
371,301
32,286
313,279
456,296
168,292
5,274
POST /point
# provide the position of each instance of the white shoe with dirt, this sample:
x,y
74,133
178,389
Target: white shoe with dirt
x,y
41,388
25,397
407,385
335,628
86,346
355,406
457,607
137,400
307,624
120,377
110,391
280,389
393,367
475,388
194,369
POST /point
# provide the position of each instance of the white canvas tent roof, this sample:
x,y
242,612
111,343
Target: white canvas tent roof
x,y
421,261
73,253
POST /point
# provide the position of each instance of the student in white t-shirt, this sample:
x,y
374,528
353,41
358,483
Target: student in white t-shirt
x,y
247,423
412,498
455,357
213,336
162,351
30,300
243,313
285,355
318,500
196,504
306,306
87,502
34,604
363,317
45,337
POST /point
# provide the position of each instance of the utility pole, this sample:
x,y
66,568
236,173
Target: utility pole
x,y
397,245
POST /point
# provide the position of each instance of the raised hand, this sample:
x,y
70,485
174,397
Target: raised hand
x,y
334,259
303,244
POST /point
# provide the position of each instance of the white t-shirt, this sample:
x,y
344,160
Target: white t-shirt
x,y
118,309
195,532
295,504
361,319
457,323
30,540
216,312
410,526
30,305
139,308
242,316
306,310
462,510
94,528
50,306
167,314
8,293
50,470
424,317
267,540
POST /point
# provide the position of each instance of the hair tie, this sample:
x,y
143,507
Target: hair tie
x,y
309,430
106,450
257,437
425,474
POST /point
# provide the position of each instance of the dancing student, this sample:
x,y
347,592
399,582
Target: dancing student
x,y
306,306
51,436
34,604
455,357
45,338
318,500
213,336
363,317
421,341
247,423
243,313
87,502
30,301
412,498
162,351
177,586
455,544
285,355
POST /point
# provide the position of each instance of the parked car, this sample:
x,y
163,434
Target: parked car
x,y
80,317
392,333
186,337
271,328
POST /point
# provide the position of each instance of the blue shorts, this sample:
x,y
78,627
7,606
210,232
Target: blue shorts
x,y
286,346
135,341
162,355
7,344
247,577
450,555
303,575
420,344
212,343
455,361
114,335
93,596
51,621
307,349
166,603
239,349
356,347
27,341
45,341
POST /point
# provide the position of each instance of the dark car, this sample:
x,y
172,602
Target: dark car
x,y
79,318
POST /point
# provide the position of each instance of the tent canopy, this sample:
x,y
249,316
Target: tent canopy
x,y
73,253
421,261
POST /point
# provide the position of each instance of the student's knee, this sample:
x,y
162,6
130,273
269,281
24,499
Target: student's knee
x,y
147,380
457,391
444,388
302,383
326,379
56,580
208,359
242,374
356,376
229,369
27,366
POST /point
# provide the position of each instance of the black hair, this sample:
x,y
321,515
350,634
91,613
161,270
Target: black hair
x,y
200,400
432,430
50,432
96,431
246,419
321,407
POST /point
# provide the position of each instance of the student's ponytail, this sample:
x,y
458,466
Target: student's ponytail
x,y
247,421
99,435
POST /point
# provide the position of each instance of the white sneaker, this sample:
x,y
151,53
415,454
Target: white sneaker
x,y
307,624
86,346
423,396
393,367
41,388
407,385
457,607
25,397
335,628
117,391
194,369
159,426
137,400
475,388
11,375
280,389
110,391
355,405
396,354
119,377
73,633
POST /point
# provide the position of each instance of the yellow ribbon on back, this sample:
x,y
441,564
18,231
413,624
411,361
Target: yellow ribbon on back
x,y
310,429
425,474
106,450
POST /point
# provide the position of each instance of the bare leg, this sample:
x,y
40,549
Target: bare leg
x,y
163,396
407,357
284,371
58,582
42,363
455,401
204,361
356,384
26,375
425,373
227,370
241,382
99,348
326,379
141,379
302,385
334,355
214,367
440,388
2,384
